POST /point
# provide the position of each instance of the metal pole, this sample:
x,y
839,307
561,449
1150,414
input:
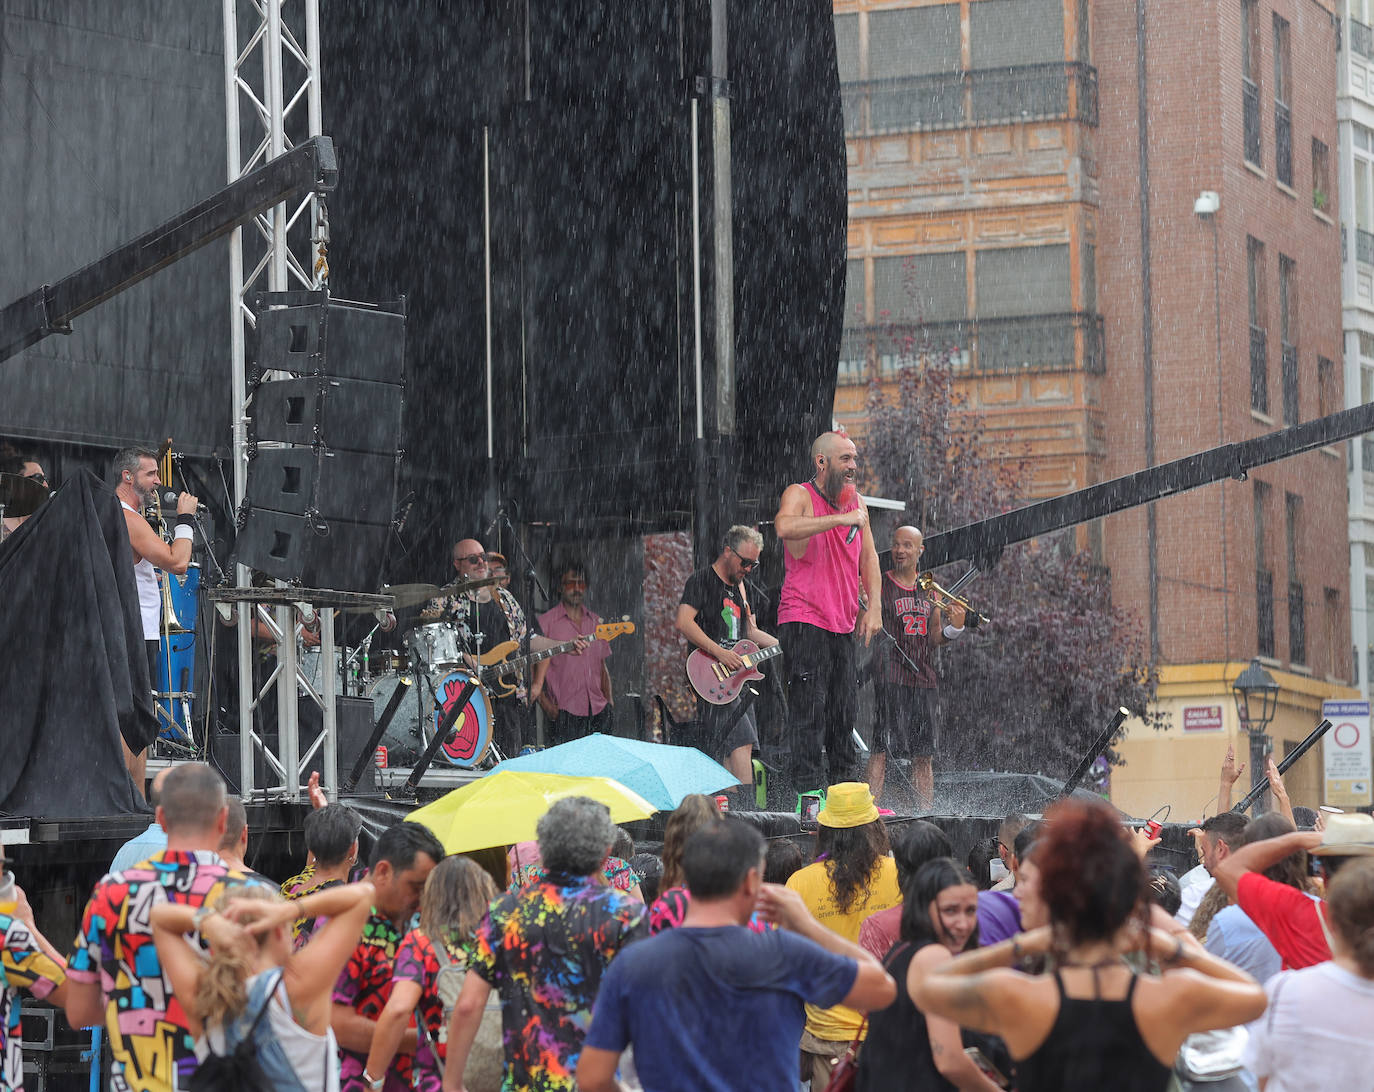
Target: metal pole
x,y
1287,763
486,273
723,273
328,682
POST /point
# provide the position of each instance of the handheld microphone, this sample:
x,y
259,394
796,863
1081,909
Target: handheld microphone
x,y
169,497
847,495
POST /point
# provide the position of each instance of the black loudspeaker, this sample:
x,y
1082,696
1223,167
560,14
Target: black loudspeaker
x,y
325,457
331,485
343,414
317,553
353,717
307,333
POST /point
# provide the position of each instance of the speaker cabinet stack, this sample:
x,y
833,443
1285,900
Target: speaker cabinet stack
x,y
324,439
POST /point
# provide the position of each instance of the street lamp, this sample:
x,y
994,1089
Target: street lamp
x,y
1257,699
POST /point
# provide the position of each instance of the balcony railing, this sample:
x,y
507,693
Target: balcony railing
x,y
954,100
990,346
1364,246
1250,98
1290,384
1264,610
1361,39
1259,370
1297,625
1283,143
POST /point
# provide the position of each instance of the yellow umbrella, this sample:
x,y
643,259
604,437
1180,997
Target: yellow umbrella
x,y
504,807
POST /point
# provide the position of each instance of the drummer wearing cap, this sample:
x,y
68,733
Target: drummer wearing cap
x,y
1294,922
855,876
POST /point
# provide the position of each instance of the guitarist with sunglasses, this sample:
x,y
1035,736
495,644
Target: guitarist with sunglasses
x,y
715,614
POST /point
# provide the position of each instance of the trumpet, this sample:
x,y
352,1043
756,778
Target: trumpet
x,y
944,599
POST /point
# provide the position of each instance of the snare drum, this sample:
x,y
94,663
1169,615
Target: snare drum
x,y
435,647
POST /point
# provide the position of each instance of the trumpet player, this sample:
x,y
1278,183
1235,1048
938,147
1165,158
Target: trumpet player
x,y
137,477
904,685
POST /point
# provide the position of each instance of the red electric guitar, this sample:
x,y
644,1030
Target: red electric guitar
x,y
719,686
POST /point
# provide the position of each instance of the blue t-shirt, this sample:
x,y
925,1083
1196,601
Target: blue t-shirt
x,y
717,1008
1232,936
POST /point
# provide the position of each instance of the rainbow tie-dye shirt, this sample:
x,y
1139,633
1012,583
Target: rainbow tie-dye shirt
x,y
544,949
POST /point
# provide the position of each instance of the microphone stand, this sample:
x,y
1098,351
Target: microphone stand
x,y
502,516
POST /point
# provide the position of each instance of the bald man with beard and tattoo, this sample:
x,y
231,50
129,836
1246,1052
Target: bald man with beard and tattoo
x,y
823,524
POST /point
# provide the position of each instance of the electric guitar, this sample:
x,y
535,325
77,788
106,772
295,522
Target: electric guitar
x,y
714,683
501,668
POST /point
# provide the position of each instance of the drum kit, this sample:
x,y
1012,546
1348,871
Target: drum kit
x,y
435,668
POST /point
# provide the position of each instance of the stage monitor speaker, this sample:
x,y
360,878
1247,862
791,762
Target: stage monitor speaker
x,y
332,485
317,553
343,414
307,333
354,718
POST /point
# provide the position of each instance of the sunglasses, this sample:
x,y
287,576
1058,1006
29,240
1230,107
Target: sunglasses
x,y
39,478
744,563
472,559
574,582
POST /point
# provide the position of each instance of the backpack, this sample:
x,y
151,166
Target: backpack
x,y
239,1070
448,984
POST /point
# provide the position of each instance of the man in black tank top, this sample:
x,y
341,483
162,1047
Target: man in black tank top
x,y
904,683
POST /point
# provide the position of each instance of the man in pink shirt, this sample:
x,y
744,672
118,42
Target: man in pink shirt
x,y
574,688
823,524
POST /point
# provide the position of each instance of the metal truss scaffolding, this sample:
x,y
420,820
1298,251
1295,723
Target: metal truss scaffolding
x,y
272,103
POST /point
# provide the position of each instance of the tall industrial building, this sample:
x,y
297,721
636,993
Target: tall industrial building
x,y
1023,180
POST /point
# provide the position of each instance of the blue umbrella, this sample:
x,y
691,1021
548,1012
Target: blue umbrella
x,y
660,773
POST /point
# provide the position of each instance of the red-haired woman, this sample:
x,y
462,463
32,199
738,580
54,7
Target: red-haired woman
x,y
1093,1023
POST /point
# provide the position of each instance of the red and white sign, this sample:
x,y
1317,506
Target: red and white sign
x,y
1346,753
1202,718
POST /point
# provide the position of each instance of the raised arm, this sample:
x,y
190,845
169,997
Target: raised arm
x,y
873,987
1282,804
1257,856
794,522
146,542
1229,773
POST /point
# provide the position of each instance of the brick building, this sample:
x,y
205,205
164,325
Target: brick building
x,y
997,180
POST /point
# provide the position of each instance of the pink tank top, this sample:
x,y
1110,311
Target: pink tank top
x,y
821,588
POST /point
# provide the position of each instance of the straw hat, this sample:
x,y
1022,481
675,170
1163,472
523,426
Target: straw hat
x,y
1347,835
848,804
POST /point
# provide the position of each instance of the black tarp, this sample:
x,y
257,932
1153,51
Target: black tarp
x,y
73,672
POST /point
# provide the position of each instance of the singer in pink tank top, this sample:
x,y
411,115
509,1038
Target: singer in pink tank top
x,y
828,553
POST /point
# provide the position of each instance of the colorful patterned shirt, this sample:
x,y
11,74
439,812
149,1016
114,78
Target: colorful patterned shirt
x,y
305,928
25,966
365,985
544,949
417,961
617,874
151,1047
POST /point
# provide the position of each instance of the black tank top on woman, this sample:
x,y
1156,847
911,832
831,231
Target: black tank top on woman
x,y
896,1054
1094,1045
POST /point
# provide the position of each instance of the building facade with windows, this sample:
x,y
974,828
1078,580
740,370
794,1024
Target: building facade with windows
x,y
1005,209
1355,184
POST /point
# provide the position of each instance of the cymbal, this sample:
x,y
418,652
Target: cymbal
x,y
20,496
412,595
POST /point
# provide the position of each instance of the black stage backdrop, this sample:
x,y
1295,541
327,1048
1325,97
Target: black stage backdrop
x,y
73,672
112,121
589,147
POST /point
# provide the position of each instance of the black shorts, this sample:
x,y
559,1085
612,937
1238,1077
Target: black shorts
x,y
904,720
714,720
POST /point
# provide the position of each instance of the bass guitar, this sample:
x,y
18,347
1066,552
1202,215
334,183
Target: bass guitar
x,y
501,668
714,683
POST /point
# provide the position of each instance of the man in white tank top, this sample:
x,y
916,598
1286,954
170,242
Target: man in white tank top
x,y
137,478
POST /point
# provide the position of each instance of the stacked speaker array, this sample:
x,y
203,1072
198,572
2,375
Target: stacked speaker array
x,y
324,441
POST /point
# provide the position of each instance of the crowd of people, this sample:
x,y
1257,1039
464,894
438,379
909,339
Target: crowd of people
x,y
881,963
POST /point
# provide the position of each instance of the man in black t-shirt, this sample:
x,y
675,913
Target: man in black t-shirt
x,y
713,615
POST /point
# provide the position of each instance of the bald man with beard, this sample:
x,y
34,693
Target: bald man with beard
x,y
498,618
828,548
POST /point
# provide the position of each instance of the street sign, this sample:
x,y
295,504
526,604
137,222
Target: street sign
x,y
1346,752
1202,718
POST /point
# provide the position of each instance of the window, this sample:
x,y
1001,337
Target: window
x,y
1321,178
1259,361
1361,13
1250,58
1264,577
1026,280
1288,337
1297,621
847,47
922,288
854,314
1006,33
1362,146
1328,398
1088,275
1366,396
903,46
1283,118
1335,633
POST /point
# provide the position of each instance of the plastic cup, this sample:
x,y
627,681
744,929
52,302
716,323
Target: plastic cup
x,y
9,898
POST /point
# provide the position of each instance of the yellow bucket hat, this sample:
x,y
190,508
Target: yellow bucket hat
x,y
848,804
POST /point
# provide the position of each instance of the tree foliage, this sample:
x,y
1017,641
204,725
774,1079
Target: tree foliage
x,y
1032,689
